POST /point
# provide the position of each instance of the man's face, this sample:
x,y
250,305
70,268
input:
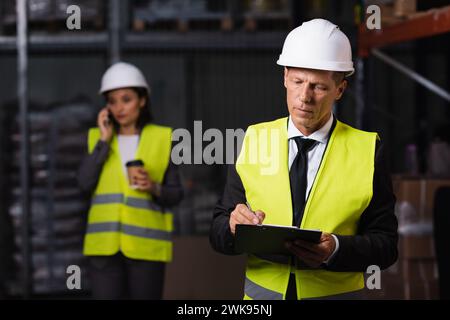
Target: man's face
x,y
310,97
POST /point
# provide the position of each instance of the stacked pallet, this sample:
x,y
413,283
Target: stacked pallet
x,y
394,11
58,209
210,15
266,15
51,15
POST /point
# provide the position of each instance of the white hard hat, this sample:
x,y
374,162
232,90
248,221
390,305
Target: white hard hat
x,y
123,75
317,44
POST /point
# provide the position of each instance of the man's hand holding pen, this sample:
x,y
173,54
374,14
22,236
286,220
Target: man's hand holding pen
x,y
242,214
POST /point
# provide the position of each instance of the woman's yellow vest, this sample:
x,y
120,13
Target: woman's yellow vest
x,y
127,220
342,190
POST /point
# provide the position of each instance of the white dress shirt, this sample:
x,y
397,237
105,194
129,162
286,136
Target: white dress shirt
x,y
315,155
128,145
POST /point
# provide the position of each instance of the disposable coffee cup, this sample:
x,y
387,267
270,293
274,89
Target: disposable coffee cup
x,y
133,167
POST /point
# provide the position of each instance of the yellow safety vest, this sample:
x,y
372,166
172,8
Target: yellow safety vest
x,y
341,191
127,220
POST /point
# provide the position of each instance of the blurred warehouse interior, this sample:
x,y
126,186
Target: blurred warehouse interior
x,y
212,61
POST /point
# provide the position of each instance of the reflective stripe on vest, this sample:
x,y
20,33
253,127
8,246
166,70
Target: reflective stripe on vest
x,y
353,295
107,198
341,191
257,292
129,230
130,201
128,220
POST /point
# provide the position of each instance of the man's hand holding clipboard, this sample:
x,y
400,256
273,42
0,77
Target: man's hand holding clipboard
x,y
311,252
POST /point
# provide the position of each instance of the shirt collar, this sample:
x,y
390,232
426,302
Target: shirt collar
x,y
320,135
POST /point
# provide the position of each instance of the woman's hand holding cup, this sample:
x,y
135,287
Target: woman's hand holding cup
x,y
140,179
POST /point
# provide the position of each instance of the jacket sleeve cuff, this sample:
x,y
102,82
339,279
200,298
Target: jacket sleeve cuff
x,y
336,248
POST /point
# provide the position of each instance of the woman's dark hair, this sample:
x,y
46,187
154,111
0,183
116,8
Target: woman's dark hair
x,y
145,114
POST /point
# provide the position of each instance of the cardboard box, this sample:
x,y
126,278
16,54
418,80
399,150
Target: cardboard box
x,y
416,247
416,271
407,279
419,192
420,279
404,8
426,290
388,17
392,287
395,287
415,274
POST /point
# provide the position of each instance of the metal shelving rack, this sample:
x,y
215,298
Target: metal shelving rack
x,y
419,26
23,43
429,23
426,24
43,42
117,38
22,96
147,41
203,41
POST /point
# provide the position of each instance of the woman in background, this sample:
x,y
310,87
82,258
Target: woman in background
x,y
128,238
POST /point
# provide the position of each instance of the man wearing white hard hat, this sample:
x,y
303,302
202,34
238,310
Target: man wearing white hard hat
x,y
331,177
132,182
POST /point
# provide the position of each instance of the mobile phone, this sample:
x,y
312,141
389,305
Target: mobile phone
x,y
109,121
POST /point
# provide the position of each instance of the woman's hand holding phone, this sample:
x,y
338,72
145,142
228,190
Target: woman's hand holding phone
x,y
105,125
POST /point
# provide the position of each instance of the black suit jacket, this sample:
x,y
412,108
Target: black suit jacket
x,y
375,242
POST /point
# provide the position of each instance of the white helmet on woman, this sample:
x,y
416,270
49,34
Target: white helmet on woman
x,y
123,75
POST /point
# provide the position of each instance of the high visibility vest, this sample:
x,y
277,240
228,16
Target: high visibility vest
x,y
341,191
127,220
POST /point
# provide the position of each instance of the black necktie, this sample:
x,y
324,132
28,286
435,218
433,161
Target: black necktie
x,y
297,177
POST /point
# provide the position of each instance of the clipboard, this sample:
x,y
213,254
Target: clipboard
x,y
270,239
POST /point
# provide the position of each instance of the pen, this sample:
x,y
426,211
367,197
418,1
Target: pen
x,y
248,206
